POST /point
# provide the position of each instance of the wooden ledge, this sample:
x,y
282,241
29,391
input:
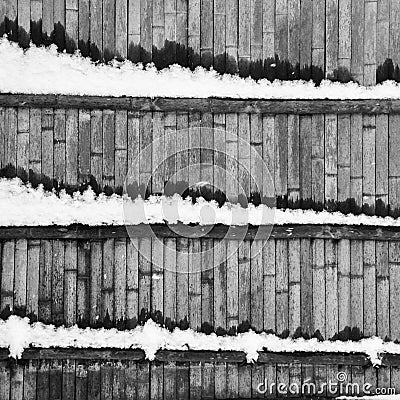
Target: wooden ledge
x,y
84,232
213,105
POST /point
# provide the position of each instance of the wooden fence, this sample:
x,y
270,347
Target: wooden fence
x,y
264,38
332,288
343,159
83,375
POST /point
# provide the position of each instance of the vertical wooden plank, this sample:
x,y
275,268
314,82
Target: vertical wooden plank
x,y
219,14
370,30
145,155
107,285
43,380
244,156
194,284
331,37
182,281
121,28
306,27
32,279
331,156
109,29
231,35
4,380
24,22
282,286
331,282
41,129
43,120
281,35
106,374
382,34
157,281
71,146
59,149
256,285
158,25
45,271
3,137
382,289
30,380
206,32
23,140
356,159
94,381
343,162
293,160
368,163
207,284
394,164
70,282
134,30
120,282
96,146
382,164
68,380
170,142
55,379
157,380
318,283
293,7
232,150
220,285
158,161
182,149
84,27
95,284
244,37
48,17
170,273
144,277
132,282
121,148
10,142
71,25
146,34
170,26
281,158
143,375
356,279
294,285
57,283
7,276
169,380
357,40
83,296
344,298
256,36
318,36
269,285
370,315
194,31
394,290
344,47
84,146
119,381
20,269
194,146
394,39
17,383
81,379
206,149
220,153
195,380
96,29
108,148
306,286
305,158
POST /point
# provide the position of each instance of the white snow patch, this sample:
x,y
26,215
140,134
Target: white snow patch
x,y
26,206
17,334
40,70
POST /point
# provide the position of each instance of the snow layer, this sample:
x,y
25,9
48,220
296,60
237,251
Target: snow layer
x,y
17,334
35,207
43,70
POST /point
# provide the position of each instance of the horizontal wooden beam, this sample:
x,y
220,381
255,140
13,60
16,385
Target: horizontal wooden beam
x,y
84,232
213,105
238,357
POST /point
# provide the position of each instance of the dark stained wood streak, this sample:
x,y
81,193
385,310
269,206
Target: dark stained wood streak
x,y
84,232
213,105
